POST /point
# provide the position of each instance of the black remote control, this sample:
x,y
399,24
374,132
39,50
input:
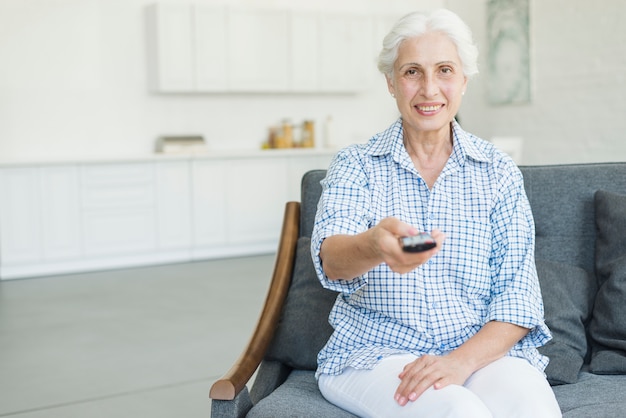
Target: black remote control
x,y
418,243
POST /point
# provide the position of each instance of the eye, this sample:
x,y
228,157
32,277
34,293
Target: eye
x,y
448,70
412,73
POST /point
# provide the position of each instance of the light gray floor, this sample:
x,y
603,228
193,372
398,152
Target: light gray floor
x,y
144,342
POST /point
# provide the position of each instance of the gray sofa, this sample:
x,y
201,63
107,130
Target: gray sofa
x,y
580,217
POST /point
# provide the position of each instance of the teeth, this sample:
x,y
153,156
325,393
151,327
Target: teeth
x,y
429,108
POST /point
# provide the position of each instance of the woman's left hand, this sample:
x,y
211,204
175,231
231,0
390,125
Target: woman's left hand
x,y
427,371
492,342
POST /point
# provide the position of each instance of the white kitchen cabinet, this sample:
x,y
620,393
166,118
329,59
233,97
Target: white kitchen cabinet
x,y
209,205
173,205
197,47
60,212
20,217
304,74
137,212
118,206
111,233
39,216
210,34
258,46
238,205
256,215
345,57
171,47
61,218
298,166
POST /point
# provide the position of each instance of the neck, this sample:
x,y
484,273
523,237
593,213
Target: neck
x,y
429,145
429,153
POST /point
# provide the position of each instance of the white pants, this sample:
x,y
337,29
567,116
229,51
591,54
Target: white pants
x,y
507,388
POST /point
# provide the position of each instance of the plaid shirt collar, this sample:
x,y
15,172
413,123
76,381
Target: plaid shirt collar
x,y
391,141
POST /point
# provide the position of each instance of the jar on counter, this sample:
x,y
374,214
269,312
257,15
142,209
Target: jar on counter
x,y
287,131
308,134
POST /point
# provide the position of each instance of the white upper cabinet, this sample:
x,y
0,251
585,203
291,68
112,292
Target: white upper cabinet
x,y
209,48
258,43
304,28
210,34
171,47
345,43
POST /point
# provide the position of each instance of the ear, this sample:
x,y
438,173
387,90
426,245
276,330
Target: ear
x,y
464,85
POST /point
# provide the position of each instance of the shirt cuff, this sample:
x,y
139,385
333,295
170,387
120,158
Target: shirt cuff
x,y
341,286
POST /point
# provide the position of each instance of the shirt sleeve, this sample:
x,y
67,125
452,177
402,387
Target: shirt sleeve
x,y
343,208
516,296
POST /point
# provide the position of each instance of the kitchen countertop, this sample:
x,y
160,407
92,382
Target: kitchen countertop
x,y
207,155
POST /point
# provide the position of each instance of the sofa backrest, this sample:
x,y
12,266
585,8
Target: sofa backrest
x,y
561,197
562,200
310,190
303,328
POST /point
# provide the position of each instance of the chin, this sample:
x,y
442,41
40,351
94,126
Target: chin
x,y
432,126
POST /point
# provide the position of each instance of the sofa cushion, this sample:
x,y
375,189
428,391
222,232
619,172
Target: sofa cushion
x,y
608,323
299,396
303,328
568,293
593,396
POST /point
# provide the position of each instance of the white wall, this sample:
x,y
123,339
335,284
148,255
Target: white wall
x,y
578,61
73,84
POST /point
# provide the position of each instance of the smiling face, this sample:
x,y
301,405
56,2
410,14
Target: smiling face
x,y
428,83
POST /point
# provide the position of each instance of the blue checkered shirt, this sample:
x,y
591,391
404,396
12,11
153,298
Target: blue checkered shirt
x,y
485,270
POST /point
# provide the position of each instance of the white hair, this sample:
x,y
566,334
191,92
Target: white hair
x,y
417,24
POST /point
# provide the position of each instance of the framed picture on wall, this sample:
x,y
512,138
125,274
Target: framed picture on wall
x,y
508,55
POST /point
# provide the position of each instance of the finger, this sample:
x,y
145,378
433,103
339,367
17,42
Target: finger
x,y
438,236
398,228
413,388
415,379
441,383
412,367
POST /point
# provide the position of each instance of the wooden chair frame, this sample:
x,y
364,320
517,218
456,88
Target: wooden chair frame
x,y
233,382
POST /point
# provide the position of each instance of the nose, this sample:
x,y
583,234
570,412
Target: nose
x,y
429,86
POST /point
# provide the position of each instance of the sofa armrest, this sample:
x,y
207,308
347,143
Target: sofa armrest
x,y
270,375
235,408
236,378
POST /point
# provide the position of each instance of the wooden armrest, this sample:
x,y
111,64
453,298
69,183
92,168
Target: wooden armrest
x,y
236,378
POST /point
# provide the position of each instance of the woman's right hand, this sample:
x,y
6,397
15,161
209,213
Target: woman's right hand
x,y
347,256
386,239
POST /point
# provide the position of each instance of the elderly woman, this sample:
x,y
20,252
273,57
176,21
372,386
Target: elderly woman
x,y
450,331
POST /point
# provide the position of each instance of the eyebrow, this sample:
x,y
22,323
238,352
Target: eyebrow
x,y
440,63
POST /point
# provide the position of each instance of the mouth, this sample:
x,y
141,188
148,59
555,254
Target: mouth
x,y
427,109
